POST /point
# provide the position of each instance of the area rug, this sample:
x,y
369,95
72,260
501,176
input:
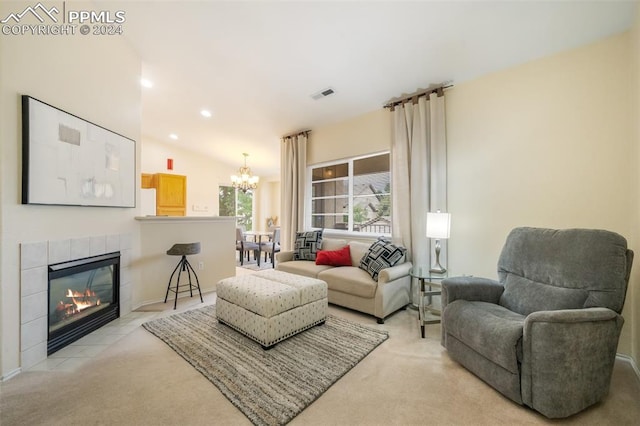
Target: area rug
x,y
269,387
253,266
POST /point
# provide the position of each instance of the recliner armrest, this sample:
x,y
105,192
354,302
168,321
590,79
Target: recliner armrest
x,y
569,316
472,289
393,273
568,352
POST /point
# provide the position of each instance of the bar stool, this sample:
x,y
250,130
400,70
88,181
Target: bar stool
x,y
183,250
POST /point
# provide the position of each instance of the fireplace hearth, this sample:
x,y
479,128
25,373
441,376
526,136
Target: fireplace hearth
x,y
83,296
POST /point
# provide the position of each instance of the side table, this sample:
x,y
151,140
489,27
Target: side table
x,y
430,285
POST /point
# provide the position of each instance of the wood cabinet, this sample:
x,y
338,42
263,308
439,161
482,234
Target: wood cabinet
x,y
147,181
171,193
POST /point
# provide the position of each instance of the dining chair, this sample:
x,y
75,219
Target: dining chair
x,y
243,246
270,248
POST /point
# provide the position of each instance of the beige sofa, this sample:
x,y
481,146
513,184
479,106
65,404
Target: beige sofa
x,y
352,287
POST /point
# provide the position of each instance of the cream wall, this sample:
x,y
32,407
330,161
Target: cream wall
x,y
549,143
96,78
541,144
266,202
204,174
365,134
215,261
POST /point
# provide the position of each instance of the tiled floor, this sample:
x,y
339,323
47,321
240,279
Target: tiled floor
x,y
83,350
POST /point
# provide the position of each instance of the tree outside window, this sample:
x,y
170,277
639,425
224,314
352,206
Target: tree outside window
x,y
245,209
236,203
227,201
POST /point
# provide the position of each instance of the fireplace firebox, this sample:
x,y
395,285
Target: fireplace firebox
x,y
83,296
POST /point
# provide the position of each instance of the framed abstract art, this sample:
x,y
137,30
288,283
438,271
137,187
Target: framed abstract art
x,y
67,160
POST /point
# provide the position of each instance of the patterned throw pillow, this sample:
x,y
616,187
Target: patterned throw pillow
x,y
382,254
307,245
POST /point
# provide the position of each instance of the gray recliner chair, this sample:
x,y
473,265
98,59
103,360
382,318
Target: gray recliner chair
x,y
545,335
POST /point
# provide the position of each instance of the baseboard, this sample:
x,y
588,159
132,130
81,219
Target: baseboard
x,y
170,299
628,359
10,375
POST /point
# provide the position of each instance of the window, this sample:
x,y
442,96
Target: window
x,y
352,195
236,203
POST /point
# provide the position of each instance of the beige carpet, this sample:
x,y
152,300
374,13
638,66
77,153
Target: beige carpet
x,y
406,381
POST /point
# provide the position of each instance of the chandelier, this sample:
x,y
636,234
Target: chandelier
x,y
246,180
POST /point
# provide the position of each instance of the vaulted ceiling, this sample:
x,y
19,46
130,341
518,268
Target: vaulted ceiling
x,y
256,65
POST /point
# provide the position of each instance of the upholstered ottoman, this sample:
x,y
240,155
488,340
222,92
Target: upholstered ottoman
x,y
270,306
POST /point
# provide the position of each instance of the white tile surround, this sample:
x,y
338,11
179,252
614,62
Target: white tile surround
x,y
34,259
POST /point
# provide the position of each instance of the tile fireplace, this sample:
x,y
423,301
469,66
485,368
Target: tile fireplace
x,y
37,257
83,296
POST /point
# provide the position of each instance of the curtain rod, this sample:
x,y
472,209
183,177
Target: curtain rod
x,y
415,96
304,132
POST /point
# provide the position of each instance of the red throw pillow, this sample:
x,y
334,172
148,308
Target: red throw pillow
x,y
340,257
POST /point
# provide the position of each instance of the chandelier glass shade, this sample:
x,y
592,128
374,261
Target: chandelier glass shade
x,y
245,180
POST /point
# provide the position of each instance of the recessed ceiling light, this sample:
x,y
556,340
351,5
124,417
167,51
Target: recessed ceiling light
x,y
173,136
205,113
146,83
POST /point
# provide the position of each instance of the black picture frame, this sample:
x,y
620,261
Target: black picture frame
x,y
69,161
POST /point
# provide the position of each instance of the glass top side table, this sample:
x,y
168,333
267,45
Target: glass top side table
x,y
430,285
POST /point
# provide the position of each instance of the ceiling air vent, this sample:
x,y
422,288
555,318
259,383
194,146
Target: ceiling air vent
x,y
323,93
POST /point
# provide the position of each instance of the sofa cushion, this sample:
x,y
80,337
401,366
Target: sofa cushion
x,y
307,268
358,251
307,244
332,243
489,329
382,254
341,257
350,280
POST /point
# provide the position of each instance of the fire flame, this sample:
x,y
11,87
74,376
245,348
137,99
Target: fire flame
x,y
81,300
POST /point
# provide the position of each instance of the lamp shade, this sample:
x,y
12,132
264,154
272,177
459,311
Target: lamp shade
x,y
438,225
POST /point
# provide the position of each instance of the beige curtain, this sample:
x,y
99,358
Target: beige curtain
x,y
293,166
419,173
